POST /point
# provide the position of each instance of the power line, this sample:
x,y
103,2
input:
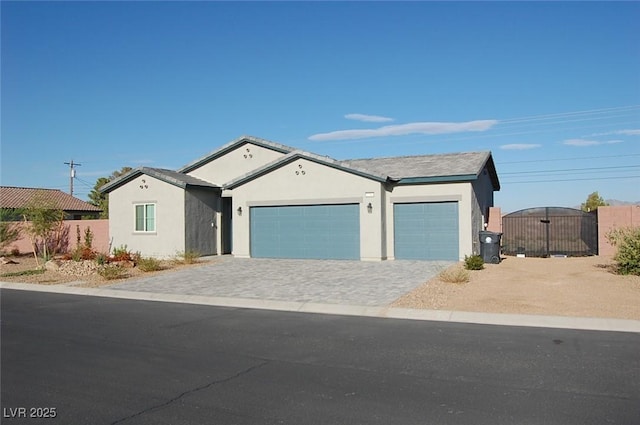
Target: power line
x,y
572,180
566,114
568,159
571,169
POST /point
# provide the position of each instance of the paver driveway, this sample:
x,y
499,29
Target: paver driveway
x,y
322,281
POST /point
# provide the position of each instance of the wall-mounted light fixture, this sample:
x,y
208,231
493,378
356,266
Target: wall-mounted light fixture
x,y
239,210
369,208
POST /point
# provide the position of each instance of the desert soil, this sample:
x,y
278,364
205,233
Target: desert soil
x,y
582,286
579,286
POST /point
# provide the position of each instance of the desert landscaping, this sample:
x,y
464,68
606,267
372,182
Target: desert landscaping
x,y
578,286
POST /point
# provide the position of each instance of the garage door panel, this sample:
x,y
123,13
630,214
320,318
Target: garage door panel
x,y
426,231
311,231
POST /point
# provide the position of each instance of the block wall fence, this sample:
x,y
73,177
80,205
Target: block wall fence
x,y
99,228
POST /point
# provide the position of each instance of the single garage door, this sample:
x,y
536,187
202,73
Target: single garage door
x,y
309,231
426,231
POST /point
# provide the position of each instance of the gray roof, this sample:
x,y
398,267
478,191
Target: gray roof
x,y
400,167
168,176
430,167
324,160
232,145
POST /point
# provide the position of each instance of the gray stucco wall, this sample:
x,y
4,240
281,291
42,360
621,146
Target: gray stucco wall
x,y
201,208
482,199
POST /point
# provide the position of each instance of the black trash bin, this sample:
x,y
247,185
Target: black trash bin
x,y
490,246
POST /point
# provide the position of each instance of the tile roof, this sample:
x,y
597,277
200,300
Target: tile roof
x,y
19,197
169,176
402,167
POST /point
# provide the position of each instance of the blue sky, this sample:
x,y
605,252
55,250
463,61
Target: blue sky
x,y
552,89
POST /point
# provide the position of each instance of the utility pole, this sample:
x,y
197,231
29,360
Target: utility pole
x,y
72,175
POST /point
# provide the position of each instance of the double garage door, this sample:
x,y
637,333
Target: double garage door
x,y
307,231
422,231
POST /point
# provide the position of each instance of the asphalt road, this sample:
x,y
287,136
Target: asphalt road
x,y
91,360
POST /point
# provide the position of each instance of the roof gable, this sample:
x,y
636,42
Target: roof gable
x,y
290,157
20,197
168,176
233,145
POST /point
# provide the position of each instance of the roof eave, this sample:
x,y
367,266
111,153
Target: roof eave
x,y
438,179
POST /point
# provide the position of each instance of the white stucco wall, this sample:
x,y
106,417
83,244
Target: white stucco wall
x,y
235,163
460,192
318,185
169,236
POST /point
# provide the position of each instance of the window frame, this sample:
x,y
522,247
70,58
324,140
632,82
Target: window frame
x,y
145,219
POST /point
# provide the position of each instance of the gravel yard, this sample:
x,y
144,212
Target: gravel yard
x,y
579,286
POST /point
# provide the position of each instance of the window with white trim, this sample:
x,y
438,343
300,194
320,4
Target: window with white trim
x,y
145,217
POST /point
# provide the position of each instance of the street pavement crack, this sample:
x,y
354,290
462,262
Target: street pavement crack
x,y
191,391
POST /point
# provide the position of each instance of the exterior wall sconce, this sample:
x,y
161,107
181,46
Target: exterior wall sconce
x,y
239,210
369,208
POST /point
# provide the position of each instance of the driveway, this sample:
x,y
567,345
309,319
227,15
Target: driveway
x,y
323,281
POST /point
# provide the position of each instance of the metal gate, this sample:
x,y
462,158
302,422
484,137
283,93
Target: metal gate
x,y
548,231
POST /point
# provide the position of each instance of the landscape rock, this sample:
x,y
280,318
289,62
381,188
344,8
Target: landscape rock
x,y
53,265
5,260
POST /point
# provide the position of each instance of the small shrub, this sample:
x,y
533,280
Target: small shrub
x,y
475,262
111,271
101,259
15,252
149,264
76,255
88,237
187,257
122,254
82,253
627,242
454,274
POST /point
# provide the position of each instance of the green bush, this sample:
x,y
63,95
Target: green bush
x,y
475,262
627,242
149,264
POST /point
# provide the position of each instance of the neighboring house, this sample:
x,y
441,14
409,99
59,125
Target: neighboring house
x,y
15,198
256,198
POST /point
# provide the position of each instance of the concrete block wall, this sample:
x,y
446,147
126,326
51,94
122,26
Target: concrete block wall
x,y
610,218
99,228
494,223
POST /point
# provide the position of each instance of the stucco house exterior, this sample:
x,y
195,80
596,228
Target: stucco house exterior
x,y
256,198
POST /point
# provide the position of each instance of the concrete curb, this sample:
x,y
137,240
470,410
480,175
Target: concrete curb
x,y
560,322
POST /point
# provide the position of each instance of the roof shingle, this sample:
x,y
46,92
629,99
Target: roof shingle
x,y
20,197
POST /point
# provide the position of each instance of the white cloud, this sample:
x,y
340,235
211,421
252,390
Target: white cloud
x,y
406,129
584,142
520,146
635,132
367,118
